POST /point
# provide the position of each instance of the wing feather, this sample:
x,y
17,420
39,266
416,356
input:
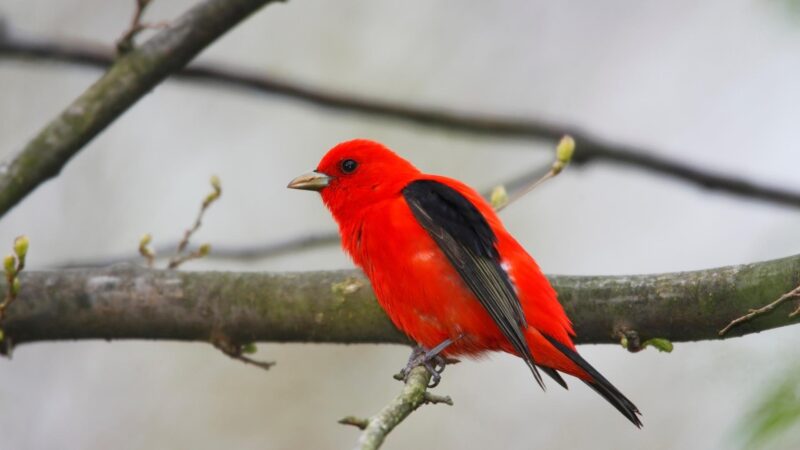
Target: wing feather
x,y
464,236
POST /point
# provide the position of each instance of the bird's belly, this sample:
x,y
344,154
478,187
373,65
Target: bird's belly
x,y
425,296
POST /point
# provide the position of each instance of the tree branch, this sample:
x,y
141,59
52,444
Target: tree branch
x,y
246,253
795,293
414,394
127,79
257,252
590,148
126,302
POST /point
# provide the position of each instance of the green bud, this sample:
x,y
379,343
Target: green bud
x,y
21,246
10,264
15,286
2,335
210,199
249,348
216,184
663,345
204,250
565,149
499,197
145,240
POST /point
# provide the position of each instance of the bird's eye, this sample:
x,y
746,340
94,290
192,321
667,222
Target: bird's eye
x,y
348,166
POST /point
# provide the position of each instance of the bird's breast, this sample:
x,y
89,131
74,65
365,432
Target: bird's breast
x,y
415,283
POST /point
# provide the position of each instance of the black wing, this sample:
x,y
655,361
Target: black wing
x,y
600,384
468,241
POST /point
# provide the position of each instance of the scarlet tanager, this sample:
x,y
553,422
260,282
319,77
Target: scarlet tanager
x,y
445,269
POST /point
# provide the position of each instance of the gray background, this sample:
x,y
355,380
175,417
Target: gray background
x,y
714,84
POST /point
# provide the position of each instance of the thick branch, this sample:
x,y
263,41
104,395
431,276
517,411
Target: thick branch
x,y
124,302
591,148
127,80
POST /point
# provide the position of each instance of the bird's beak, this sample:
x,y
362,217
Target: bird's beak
x,y
312,181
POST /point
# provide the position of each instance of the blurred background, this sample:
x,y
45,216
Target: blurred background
x,y
713,84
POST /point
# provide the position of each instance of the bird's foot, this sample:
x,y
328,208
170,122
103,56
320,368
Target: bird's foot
x,y
432,360
434,364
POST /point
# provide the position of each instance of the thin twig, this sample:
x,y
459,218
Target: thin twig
x,y
236,351
256,252
129,78
354,421
434,399
413,395
500,198
764,310
125,43
796,311
181,257
592,148
11,279
252,252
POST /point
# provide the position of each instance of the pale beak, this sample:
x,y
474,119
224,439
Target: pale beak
x,y
312,181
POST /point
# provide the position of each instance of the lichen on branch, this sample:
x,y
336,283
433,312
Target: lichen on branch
x,y
128,302
413,395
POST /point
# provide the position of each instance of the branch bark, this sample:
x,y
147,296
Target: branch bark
x,y
591,148
127,80
126,302
414,394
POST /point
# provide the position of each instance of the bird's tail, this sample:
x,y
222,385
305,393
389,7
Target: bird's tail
x,y
599,383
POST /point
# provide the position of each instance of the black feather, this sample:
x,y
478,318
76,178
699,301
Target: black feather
x,y
463,234
600,384
555,375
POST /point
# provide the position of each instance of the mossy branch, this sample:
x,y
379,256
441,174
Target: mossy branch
x,y
127,302
413,395
127,79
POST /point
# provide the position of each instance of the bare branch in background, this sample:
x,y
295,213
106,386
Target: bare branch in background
x,y
181,256
125,302
257,252
128,78
245,253
590,148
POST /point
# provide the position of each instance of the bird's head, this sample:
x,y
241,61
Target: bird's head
x,y
356,174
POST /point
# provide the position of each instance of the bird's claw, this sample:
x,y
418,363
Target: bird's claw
x,y
433,363
435,379
435,366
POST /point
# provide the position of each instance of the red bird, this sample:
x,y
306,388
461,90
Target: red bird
x,y
445,269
